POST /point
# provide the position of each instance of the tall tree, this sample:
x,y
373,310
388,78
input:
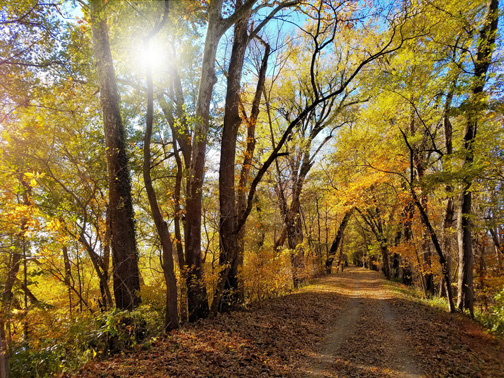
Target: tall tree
x,y
482,62
123,241
337,240
228,228
171,314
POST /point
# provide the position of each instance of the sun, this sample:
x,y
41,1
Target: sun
x,y
153,55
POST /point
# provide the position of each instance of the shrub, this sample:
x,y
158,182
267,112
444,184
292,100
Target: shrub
x,y
494,319
82,339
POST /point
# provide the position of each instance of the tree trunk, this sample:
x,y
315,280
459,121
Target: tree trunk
x,y
171,314
497,247
4,356
337,240
226,294
216,27
294,229
247,163
7,295
100,270
406,274
396,263
68,278
177,120
385,260
437,246
465,299
197,298
124,250
340,255
485,48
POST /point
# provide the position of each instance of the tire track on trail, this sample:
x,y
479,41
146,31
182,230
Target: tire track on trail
x,y
365,340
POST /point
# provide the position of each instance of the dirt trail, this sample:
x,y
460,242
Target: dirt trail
x,y
351,324
367,313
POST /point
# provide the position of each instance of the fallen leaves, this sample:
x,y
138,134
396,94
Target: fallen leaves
x,y
282,337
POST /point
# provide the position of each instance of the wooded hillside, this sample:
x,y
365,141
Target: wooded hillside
x,y
165,161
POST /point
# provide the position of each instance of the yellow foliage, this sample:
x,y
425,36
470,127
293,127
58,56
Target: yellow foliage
x,y
266,274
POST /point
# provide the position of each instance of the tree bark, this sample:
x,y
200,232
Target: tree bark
x,y
337,240
124,250
68,277
430,229
171,314
247,163
232,202
7,295
226,294
376,225
485,48
196,290
101,271
449,213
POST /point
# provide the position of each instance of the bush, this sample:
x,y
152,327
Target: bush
x,y
121,330
266,274
43,362
85,337
494,319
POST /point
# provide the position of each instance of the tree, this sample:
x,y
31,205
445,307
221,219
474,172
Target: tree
x,y
216,27
337,240
230,209
171,318
123,240
482,61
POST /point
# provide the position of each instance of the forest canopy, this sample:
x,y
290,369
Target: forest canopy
x,y
163,161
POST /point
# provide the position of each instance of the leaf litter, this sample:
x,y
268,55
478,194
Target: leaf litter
x,y
385,334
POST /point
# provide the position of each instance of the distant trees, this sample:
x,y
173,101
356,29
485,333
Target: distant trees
x,y
424,86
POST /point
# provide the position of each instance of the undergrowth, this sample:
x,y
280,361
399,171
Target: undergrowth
x,y
86,337
493,319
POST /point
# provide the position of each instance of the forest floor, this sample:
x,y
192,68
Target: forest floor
x,y
351,324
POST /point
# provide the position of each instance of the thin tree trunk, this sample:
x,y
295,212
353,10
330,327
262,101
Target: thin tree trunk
x,y
7,293
177,123
68,277
101,271
7,296
247,163
430,229
340,256
171,315
498,248
337,240
319,238
385,259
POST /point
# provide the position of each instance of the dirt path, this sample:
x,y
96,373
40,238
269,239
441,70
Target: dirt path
x,y
352,324
367,313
